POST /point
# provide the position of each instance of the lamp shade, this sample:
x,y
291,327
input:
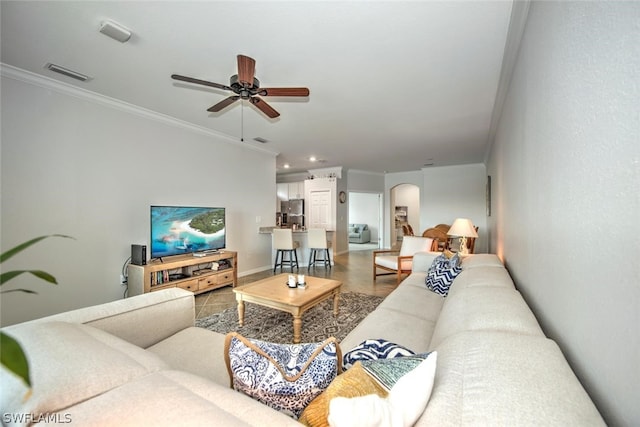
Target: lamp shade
x,y
462,227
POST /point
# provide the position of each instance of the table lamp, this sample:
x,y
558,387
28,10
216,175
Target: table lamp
x,y
463,228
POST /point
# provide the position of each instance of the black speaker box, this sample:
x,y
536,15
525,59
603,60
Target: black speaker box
x,y
139,254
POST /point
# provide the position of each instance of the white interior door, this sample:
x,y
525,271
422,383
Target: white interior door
x,y
320,209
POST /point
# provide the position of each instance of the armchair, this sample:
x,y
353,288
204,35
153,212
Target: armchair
x,y
359,233
400,262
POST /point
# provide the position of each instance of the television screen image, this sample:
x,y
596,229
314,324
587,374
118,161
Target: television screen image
x,y
178,230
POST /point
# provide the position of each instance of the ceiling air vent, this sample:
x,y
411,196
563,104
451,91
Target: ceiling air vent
x,y
69,73
260,139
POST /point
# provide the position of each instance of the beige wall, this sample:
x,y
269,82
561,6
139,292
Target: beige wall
x,y
565,168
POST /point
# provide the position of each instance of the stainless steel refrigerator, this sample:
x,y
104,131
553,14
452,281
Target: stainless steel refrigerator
x,y
293,212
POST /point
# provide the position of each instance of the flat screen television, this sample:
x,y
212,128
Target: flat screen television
x,y
178,230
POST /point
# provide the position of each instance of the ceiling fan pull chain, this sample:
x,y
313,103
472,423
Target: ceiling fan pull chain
x,y
241,120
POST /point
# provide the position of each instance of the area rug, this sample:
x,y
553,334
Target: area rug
x,y
318,323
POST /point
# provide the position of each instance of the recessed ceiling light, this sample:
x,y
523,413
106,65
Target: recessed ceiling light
x,y
312,158
286,165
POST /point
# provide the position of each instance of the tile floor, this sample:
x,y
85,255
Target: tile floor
x,y
353,269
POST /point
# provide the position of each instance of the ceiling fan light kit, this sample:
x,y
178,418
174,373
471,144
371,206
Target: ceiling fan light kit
x,y
246,86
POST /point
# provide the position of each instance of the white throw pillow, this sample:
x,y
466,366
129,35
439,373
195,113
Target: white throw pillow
x,y
401,408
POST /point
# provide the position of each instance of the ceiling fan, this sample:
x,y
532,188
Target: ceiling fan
x,y
246,86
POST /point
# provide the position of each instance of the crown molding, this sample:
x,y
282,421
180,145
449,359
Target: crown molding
x,y
517,24
334,172
364,172
48,83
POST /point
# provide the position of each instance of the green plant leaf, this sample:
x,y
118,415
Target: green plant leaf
x,y
14,358
5,277
26,291
11,252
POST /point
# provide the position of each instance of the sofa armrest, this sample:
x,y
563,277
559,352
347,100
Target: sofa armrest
x,y
143,320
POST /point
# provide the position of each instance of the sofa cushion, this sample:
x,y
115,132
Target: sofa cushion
x,y
482,277
484,308
200,353
373,349
404,329
70,363
413,298
497,378
481,260
285,377
175,398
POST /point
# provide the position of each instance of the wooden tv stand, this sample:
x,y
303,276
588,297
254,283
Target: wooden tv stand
x,y
193,273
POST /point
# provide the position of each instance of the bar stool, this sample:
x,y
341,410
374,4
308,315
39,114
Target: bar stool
x,y
284,244
317,238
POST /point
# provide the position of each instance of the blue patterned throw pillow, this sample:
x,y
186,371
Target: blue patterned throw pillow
x,y
286,377
442,273
374,350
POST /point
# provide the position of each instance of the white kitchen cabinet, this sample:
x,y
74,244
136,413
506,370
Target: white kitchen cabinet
x,y
296,190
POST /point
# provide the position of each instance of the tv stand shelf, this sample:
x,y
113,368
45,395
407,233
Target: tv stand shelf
x,y
197,274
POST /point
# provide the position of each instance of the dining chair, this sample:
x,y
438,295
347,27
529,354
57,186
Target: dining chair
x,y
284,244
317,241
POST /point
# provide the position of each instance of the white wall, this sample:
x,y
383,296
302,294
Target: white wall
x,y
364,208
456,192
446,193
565,172
365,182
408,195
75,165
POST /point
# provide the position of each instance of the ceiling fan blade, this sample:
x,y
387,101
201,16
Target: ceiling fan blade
x,y
264,107
198,81
223,104
246,70
284,91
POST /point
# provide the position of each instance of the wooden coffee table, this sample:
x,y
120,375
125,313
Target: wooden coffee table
x,y
273,292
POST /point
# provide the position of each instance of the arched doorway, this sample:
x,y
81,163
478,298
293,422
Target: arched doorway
x,y
405,210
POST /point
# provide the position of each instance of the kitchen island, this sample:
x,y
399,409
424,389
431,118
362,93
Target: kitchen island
x,y
299,236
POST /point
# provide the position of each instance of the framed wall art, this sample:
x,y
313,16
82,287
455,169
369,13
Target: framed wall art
x,y
489,195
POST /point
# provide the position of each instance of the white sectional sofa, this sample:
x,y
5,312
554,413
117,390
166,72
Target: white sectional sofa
x,y
495,365
140,361
134,362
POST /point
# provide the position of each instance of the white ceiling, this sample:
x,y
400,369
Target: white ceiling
x,y
394,85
